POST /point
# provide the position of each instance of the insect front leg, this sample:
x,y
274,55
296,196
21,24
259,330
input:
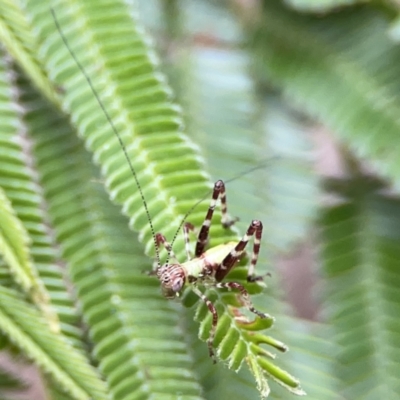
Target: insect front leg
x,y
161,240
218,193
255,229
186,229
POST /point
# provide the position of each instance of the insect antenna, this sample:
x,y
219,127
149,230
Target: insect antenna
x,y
113,127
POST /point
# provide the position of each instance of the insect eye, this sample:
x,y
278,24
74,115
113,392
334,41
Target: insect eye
x,y
177,286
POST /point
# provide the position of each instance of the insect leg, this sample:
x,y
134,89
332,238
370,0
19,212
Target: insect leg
x,y
186,229
218,193
244,296
160,239
213,329
229,261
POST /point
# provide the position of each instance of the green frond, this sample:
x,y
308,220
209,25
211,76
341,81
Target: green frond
x,y
310,358
218,382
167,166
14,246
135,332
16,36
28,330
360,254
239,128
43,279
138,101
222,103
342,70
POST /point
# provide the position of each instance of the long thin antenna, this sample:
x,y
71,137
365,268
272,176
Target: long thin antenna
x,y
109,119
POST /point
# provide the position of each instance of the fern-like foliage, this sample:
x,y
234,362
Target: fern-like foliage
x,y
252,129
119,304
16,35
309,56
256,86
36,333
14,243
361,254
26,327
108,270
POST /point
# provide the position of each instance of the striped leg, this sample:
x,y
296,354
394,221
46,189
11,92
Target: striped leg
x,y
186,229
160,239
213,311
227,264
218,193
244,296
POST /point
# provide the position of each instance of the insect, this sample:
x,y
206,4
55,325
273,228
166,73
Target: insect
x,y
210,267
207,268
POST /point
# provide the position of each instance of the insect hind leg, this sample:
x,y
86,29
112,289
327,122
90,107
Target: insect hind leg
x,y
226,221
255,229
244,295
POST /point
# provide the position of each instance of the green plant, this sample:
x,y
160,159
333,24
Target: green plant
x,y
113,335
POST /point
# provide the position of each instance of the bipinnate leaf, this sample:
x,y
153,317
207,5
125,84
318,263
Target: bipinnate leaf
x,y
14,245
360,254
122,69
342,70
24,326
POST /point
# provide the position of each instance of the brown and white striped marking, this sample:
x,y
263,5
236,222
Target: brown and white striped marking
x,y
234,256
226,221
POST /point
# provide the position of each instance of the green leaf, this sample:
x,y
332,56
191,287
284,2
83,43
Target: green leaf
x,y
16,36
360,255
311,359
121,306
14,246
26,328
341,69
44,281
139,104
20,321
215,85
250,139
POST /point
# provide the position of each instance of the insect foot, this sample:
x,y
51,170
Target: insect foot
x,y
255,278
